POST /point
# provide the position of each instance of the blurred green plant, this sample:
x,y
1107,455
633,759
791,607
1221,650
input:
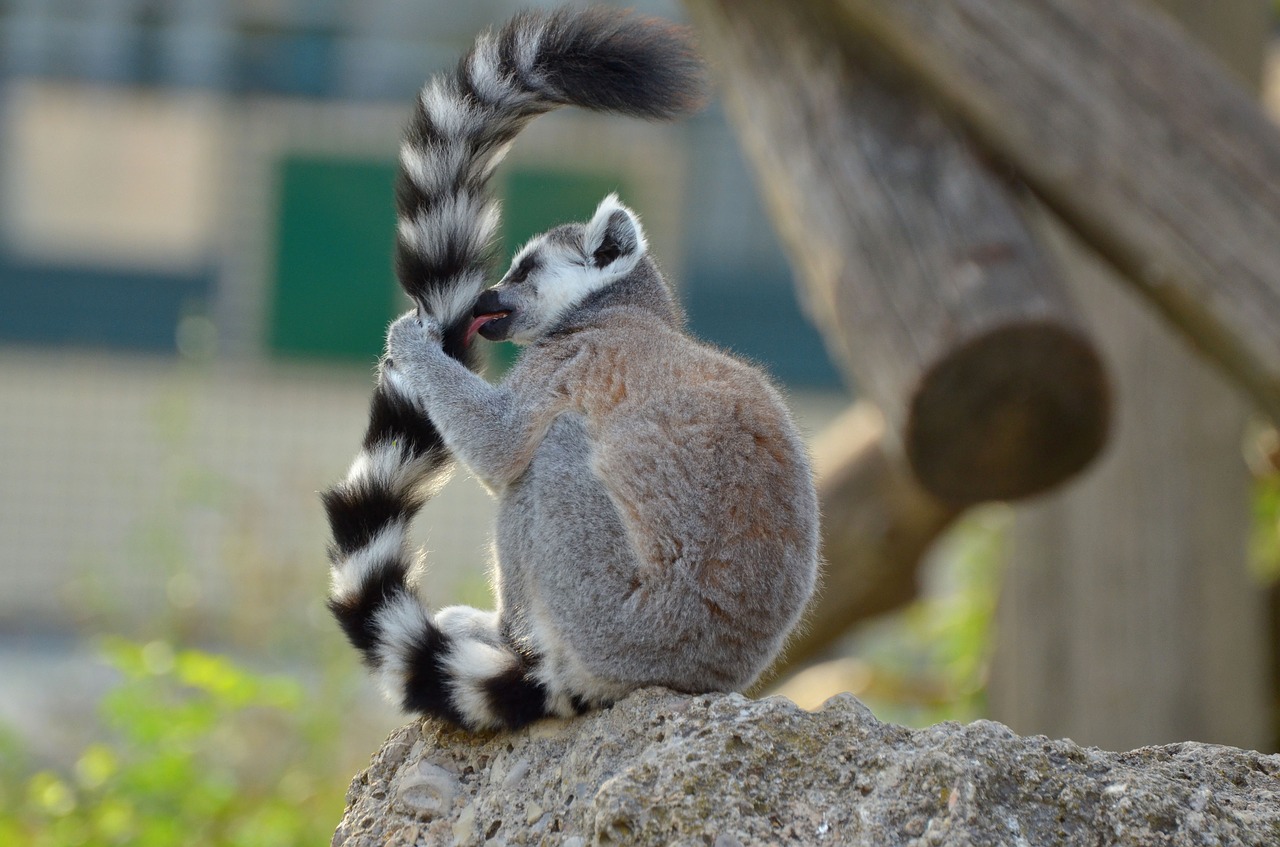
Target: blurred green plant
x,y
195,751
929,662
1264,547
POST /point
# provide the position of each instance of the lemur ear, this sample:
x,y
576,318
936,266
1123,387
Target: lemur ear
x,y
613,234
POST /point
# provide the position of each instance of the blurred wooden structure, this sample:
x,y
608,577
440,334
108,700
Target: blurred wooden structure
x,y
898,142
879,523
1129,616
917,265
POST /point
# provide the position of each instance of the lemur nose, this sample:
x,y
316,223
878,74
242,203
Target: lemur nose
x,y
490,301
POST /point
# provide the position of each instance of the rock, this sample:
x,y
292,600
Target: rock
x,y
426,790
662,768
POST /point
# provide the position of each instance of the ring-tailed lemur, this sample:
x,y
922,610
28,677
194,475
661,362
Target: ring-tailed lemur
x,y
657,522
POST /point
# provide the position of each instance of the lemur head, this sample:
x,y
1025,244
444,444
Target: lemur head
x,y
559,270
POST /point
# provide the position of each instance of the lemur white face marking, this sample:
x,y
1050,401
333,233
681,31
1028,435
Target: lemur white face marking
x,y
560,269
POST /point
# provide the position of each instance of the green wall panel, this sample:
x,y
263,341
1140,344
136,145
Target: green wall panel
x,y
535,200
335,289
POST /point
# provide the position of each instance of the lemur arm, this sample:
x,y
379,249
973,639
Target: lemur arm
x,y
492,429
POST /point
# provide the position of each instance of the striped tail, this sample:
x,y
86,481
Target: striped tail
x,y
456,665
599,58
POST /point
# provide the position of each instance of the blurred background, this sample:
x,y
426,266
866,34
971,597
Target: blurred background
x,y
195,232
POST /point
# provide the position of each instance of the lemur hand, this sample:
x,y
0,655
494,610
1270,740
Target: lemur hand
x,y
412,336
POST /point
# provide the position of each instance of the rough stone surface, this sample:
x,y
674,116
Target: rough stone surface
x,y
723,771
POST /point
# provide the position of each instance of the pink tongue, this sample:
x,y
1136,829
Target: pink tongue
x,y
480,321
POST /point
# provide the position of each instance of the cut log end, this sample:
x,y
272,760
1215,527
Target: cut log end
x,y
1010,414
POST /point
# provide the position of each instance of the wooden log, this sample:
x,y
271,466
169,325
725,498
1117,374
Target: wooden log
x,y
1130,133
1128,616
878,524
914,261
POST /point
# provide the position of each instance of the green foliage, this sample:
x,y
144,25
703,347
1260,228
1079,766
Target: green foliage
x,y
929,662
1264,548
195,751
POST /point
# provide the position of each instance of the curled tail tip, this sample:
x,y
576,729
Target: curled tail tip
x,y
597,58
435,668
622,61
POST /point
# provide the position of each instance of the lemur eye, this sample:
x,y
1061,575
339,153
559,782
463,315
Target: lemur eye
x,y
521,271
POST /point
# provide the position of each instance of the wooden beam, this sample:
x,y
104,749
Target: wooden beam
x,y
1128,131
1128,615
914,261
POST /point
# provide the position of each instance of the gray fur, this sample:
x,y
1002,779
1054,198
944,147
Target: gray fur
x,y
657,521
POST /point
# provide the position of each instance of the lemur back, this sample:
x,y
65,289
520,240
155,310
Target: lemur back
x,y
657,522
676,535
